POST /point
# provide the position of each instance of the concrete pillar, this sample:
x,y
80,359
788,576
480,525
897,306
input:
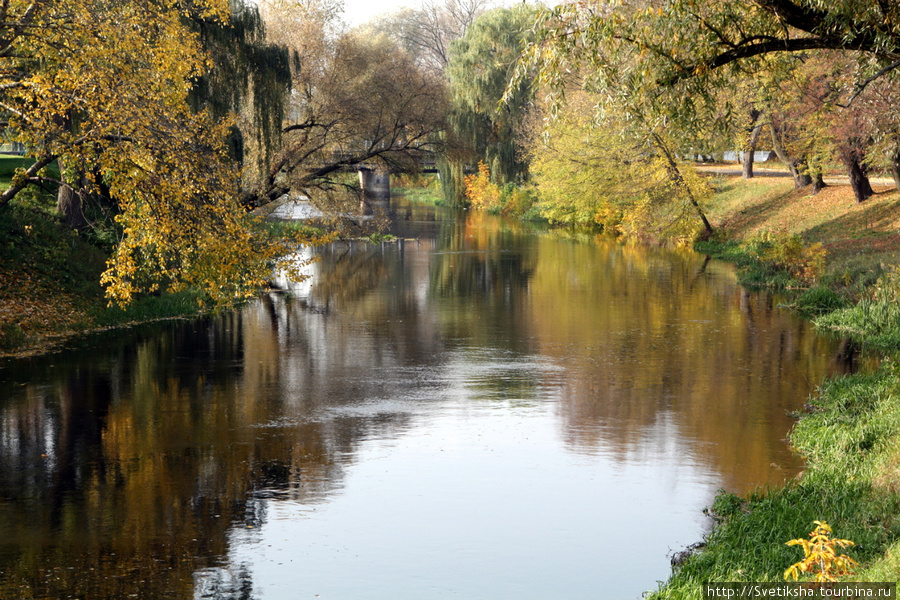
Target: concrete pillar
x,y
376,188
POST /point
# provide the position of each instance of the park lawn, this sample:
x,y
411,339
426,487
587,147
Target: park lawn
x,y
857,237
10,162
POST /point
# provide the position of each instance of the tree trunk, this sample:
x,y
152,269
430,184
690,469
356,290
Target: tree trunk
x,y
68,201
675,174
818,183
796,166
859,180
750,147
895,167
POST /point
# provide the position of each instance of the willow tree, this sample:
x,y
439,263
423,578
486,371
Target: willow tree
x,y
613,173
249,76
479,128
688,50
103,86
631,141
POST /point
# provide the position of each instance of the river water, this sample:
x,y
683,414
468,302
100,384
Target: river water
x,y
483,411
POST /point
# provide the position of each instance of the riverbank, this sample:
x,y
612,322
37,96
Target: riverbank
x,y
50,283
849,433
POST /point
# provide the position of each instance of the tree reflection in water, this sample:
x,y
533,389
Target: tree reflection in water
x,y
133,465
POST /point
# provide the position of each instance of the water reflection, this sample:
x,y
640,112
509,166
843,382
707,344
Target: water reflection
x,y
478,411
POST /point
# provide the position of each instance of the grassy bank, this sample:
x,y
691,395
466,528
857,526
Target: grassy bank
x,y
850,431
861,240
419,188
49,280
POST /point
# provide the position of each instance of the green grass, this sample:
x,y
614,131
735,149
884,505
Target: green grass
x,y
875,323
419,188
848,439
150,308
850,436
10,162
291,229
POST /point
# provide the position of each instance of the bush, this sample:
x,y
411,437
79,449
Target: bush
x,y
789,253
480,191
517,201
509,200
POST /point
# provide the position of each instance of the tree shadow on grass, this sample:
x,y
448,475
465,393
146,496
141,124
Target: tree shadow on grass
x,y
866,229
752,216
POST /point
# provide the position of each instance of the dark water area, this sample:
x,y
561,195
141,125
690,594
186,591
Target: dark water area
x,y
483,411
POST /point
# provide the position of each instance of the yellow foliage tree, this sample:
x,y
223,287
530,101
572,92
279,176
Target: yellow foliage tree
x,y
613,171
820,555
480,191
102,86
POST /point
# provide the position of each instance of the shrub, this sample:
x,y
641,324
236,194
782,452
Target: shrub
x,y
803,262
481,193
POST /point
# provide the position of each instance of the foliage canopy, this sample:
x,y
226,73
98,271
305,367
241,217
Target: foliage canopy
x,y
103,87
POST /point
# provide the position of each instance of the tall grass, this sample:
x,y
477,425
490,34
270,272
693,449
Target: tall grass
x,y
875,319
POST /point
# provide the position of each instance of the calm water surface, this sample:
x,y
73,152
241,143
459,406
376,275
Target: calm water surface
x,y
485,413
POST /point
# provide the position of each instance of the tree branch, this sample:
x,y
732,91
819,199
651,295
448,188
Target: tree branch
x,y
860,87
20,182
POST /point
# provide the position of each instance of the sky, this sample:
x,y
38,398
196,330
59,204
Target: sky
x,y
357,12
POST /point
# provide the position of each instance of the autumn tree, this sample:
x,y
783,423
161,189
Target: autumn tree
x,y
684,53
688,40
357,99
878,110
629,142
103,87
799,99
620,175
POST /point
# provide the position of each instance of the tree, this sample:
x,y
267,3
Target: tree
x,y
357,99
681,54
428,31
754,131
481,64
614,172
248,76
103,86
691,39
878,110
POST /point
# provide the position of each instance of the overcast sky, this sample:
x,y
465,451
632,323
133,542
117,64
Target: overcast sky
x,y
357,12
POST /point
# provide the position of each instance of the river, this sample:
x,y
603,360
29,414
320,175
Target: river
x,y
483,411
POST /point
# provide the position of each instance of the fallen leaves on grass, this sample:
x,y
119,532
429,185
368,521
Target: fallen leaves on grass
x,y
38,309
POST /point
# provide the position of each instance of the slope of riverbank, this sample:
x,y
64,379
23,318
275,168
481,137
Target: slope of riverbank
x,y
50,283
857,237
850,431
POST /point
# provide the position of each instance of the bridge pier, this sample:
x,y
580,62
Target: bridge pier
x,y
376,188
